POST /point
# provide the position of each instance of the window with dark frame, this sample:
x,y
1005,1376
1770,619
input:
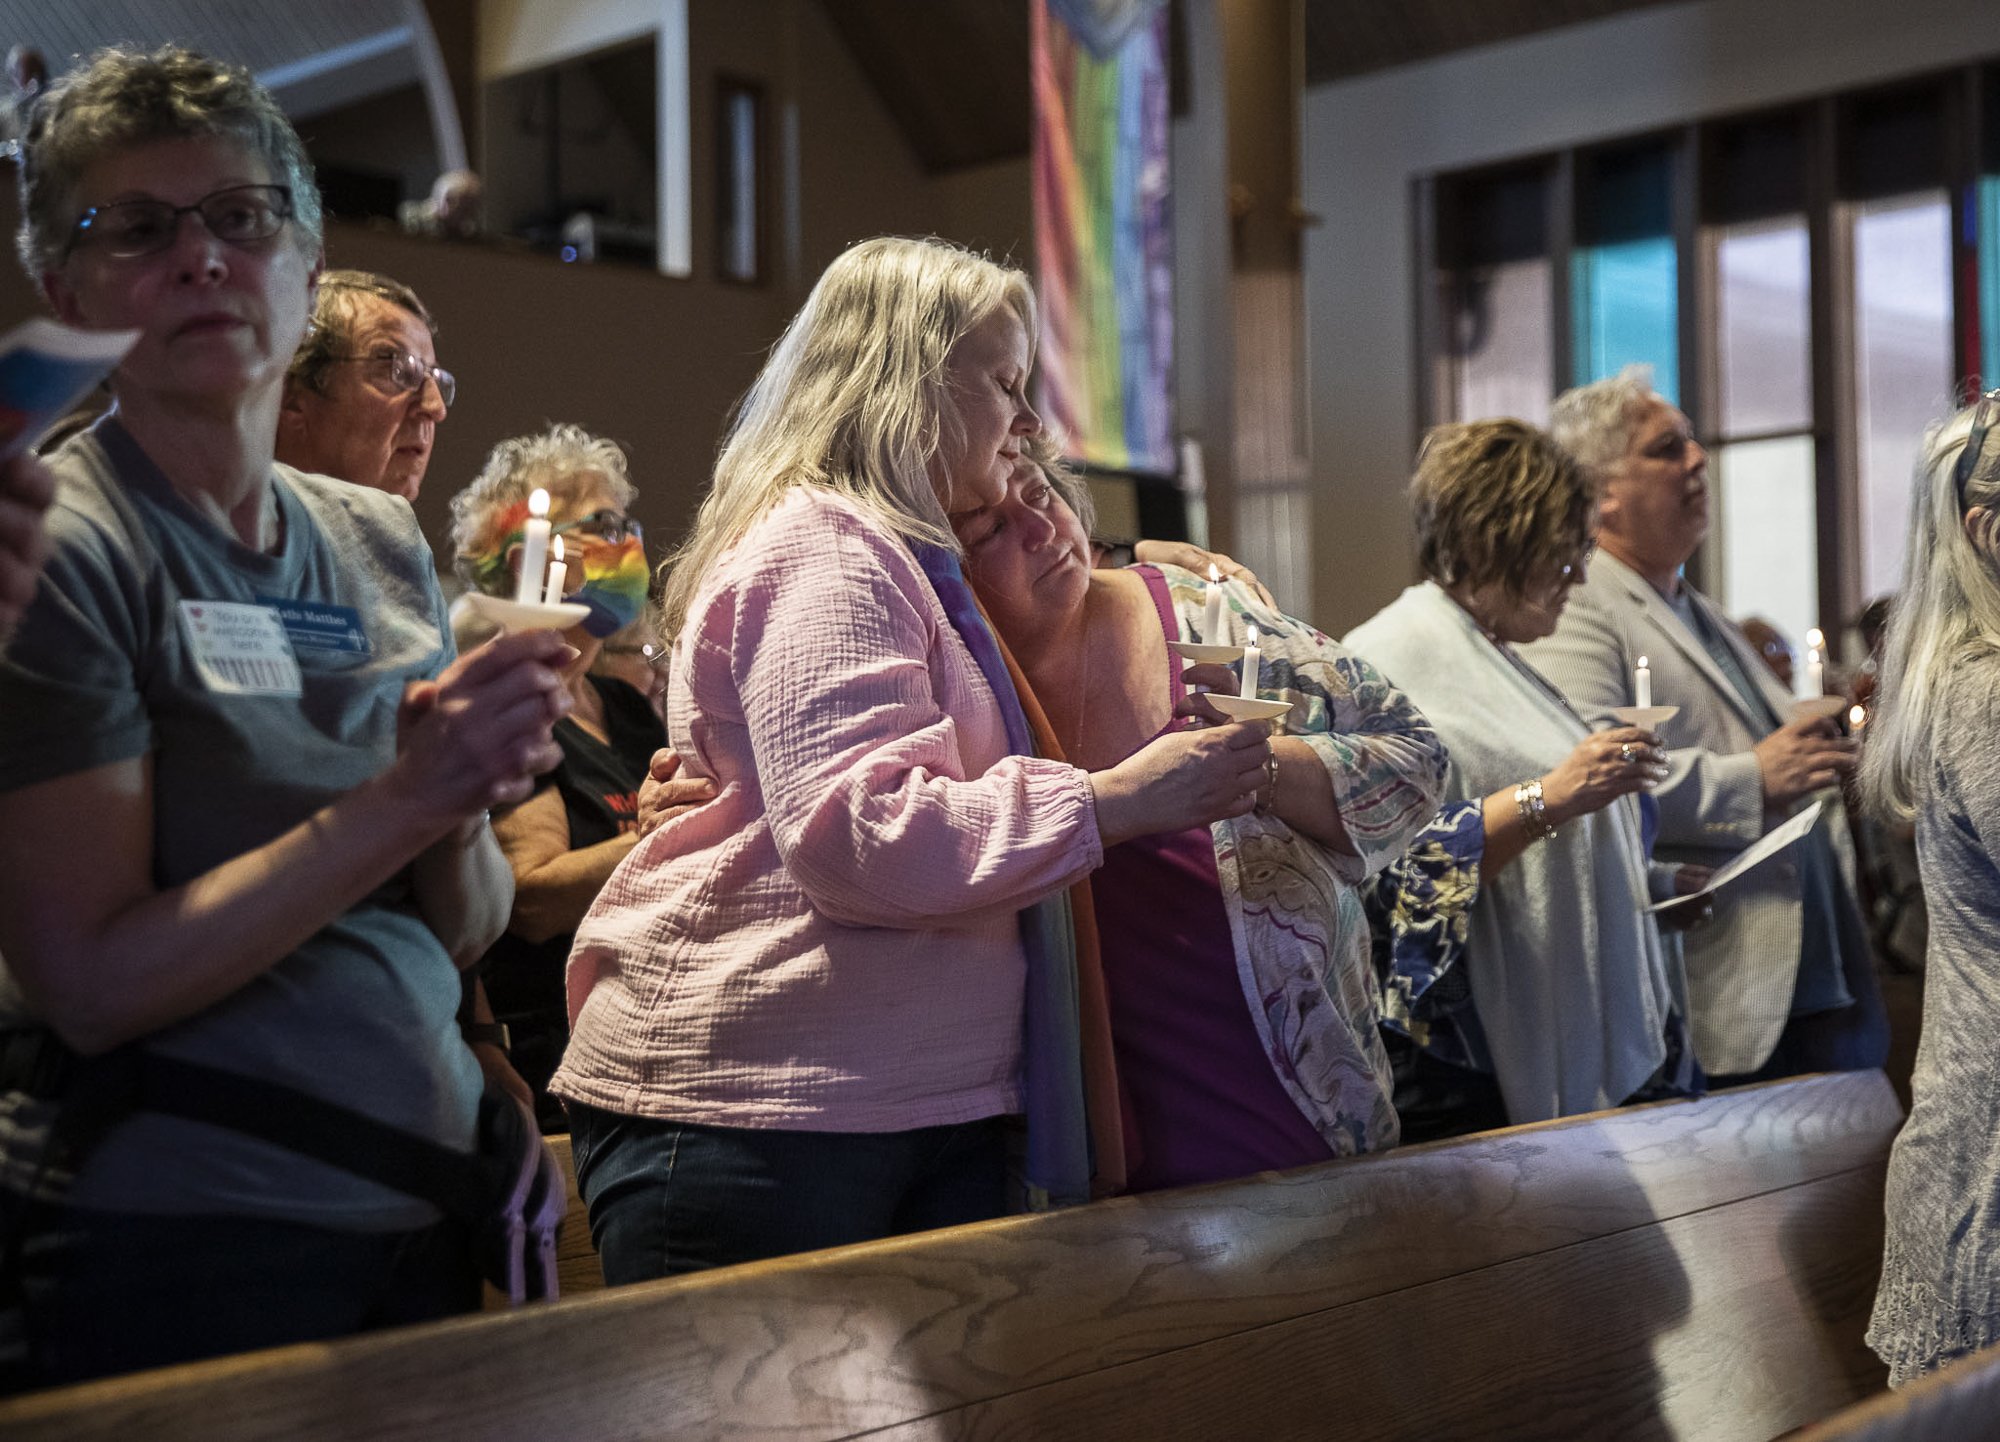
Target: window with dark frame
x,y
1823,277
740,208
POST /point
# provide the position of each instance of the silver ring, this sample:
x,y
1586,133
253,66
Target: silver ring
x,y
1627,754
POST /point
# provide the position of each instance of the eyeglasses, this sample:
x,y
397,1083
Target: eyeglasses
x,y
608,525
1983,417
240,215
653,655
405,371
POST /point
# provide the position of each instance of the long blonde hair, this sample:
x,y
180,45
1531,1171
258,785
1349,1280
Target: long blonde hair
x,y
853,398
1947,613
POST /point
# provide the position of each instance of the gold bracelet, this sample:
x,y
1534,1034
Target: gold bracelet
x,y
1270,796
1534,814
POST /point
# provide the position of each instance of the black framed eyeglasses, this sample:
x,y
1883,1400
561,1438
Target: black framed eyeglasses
x,y
1983,417
240,215
608,524
404,371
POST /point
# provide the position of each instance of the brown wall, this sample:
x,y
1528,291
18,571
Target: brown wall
x,y
653,362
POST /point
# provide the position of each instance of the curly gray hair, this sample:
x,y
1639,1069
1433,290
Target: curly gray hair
x,y
119,99
554,459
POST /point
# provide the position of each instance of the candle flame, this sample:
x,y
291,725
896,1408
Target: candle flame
x,y
1642,664
1857,717
1253,636
1214,575
555,549
1815,638
538,503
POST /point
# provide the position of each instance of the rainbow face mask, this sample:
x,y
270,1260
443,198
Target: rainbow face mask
x,y
607,548
614,583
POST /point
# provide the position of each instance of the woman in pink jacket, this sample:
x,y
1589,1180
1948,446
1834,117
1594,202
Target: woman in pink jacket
x,y
803,1014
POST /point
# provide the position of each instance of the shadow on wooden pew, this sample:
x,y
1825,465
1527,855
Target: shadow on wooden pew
x,y
1693,1269
1957,1403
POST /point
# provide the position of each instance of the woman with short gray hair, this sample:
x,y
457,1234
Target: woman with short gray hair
x,y
1929,760
243,789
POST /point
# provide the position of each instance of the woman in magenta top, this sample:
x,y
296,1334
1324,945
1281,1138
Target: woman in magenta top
x,y
1235,956
797,1013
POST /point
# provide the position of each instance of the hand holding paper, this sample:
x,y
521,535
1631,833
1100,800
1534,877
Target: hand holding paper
x,y
47,367
1755,854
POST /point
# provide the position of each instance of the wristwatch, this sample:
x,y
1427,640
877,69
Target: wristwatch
x,y
493,1033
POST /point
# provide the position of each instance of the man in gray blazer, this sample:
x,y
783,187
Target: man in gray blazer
x,y
1782,980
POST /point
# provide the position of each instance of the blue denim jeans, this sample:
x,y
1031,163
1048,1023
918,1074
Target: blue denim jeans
x,y
672,1197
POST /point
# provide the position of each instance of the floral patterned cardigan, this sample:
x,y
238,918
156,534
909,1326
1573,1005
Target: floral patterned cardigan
x,y
1295,908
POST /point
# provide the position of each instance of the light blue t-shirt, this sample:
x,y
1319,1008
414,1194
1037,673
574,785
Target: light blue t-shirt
x,y
103,669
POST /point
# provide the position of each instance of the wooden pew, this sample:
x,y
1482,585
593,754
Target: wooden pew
x,y
1695,1269
1958,1403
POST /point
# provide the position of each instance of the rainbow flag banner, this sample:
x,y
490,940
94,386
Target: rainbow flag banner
x,y
1104,230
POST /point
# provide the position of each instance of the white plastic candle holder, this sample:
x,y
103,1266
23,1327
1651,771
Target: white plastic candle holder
x,y
526,615
1647,718
1211,655
1238,708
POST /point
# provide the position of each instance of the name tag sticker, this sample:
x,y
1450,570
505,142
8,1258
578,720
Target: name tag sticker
x,y
313,626
240,649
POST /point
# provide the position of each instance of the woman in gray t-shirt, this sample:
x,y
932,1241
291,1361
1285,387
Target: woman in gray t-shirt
x,y
243,783
1930,758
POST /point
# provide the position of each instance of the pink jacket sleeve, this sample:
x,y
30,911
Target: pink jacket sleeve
x,y
829,650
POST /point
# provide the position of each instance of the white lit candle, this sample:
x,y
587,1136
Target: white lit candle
x,y
534,549
552,594
1252,659
1815,679
1211,613
1642,684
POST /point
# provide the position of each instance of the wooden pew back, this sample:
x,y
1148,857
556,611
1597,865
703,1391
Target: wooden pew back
x,y
1958,1403
1696,1269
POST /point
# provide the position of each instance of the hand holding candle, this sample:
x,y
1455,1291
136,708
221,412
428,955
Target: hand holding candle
x,y
1814,684
558,575
534,549
1642,684
1211,611
1252,660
